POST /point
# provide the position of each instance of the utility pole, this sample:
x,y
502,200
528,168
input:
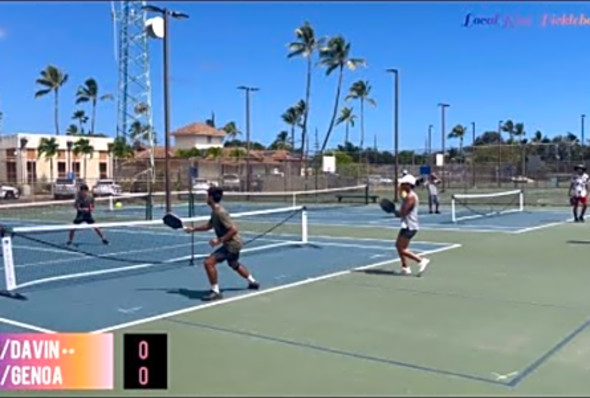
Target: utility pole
x,y
443,107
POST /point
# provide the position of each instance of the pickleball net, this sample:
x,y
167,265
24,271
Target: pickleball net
x,y
37,256
148,206
472,206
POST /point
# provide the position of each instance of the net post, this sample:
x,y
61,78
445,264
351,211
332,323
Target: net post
x,y
366,194
521,200
304,231
9,274
148,206
453,215
111,203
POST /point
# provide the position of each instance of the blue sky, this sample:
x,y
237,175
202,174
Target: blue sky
x,y
530,73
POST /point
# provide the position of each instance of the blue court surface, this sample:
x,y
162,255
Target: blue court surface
x,y
134,280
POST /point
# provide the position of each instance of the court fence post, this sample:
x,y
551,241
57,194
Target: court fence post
x,y
304,231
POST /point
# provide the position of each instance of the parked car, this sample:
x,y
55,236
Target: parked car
x,y
66,188
230,182
201,185
106,188
7,192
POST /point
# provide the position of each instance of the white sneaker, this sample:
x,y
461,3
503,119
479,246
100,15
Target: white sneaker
x,y
423,265
406,271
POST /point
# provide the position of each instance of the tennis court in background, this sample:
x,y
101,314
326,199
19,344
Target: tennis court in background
x,y
493,315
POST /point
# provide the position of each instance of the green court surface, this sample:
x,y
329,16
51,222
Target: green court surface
x,y
497,314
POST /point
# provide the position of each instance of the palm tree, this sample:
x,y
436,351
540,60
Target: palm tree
x,y
72,130
360,90
139,132
458,132
508,127
231,131
305,46
81,117
281,142
52,79
292,117
348,118
335,55
89,93
83,147
48,148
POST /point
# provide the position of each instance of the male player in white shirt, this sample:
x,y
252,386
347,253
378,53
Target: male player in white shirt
x,y
579,192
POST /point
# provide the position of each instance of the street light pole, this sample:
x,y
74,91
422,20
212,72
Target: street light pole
x,y
443,107
430,142
166,13
248,89
396,130
582,135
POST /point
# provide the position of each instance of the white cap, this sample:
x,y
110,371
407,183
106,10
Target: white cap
x,y
408,179
405,172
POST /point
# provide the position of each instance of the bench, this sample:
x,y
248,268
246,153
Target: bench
x,y
373,198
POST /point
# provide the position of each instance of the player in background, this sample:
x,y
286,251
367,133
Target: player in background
x,y
229,239
84,205
579,192
432,188
409,226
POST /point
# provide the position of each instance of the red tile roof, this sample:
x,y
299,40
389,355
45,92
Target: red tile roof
x,y
199,129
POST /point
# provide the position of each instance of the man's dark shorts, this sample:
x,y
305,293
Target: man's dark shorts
x,y
84,218
223,254
407,233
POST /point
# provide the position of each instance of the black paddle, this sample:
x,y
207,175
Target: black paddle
x,y
173,221
388,207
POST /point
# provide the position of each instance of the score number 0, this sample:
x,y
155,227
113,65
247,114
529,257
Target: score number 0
x,y
146,361
144,373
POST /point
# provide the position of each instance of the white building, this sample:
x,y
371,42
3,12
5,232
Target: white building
x,y
199,136
21,163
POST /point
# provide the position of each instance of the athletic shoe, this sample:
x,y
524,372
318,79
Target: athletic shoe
x,y
213,296
104,241
253,285
423,265
406,271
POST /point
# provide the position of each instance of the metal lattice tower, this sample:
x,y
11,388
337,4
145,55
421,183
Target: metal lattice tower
x,y
134,96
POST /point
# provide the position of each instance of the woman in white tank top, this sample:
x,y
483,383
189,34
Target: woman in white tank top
x,y
409,226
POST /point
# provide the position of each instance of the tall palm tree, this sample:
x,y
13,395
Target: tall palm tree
x,y
360,90
52,79
335,56
305,46
82,119
459,133
348,118
89,93
83,147
519,131
48,148
231,130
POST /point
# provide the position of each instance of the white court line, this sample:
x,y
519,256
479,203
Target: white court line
x,y
258,293
538,227
23,325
